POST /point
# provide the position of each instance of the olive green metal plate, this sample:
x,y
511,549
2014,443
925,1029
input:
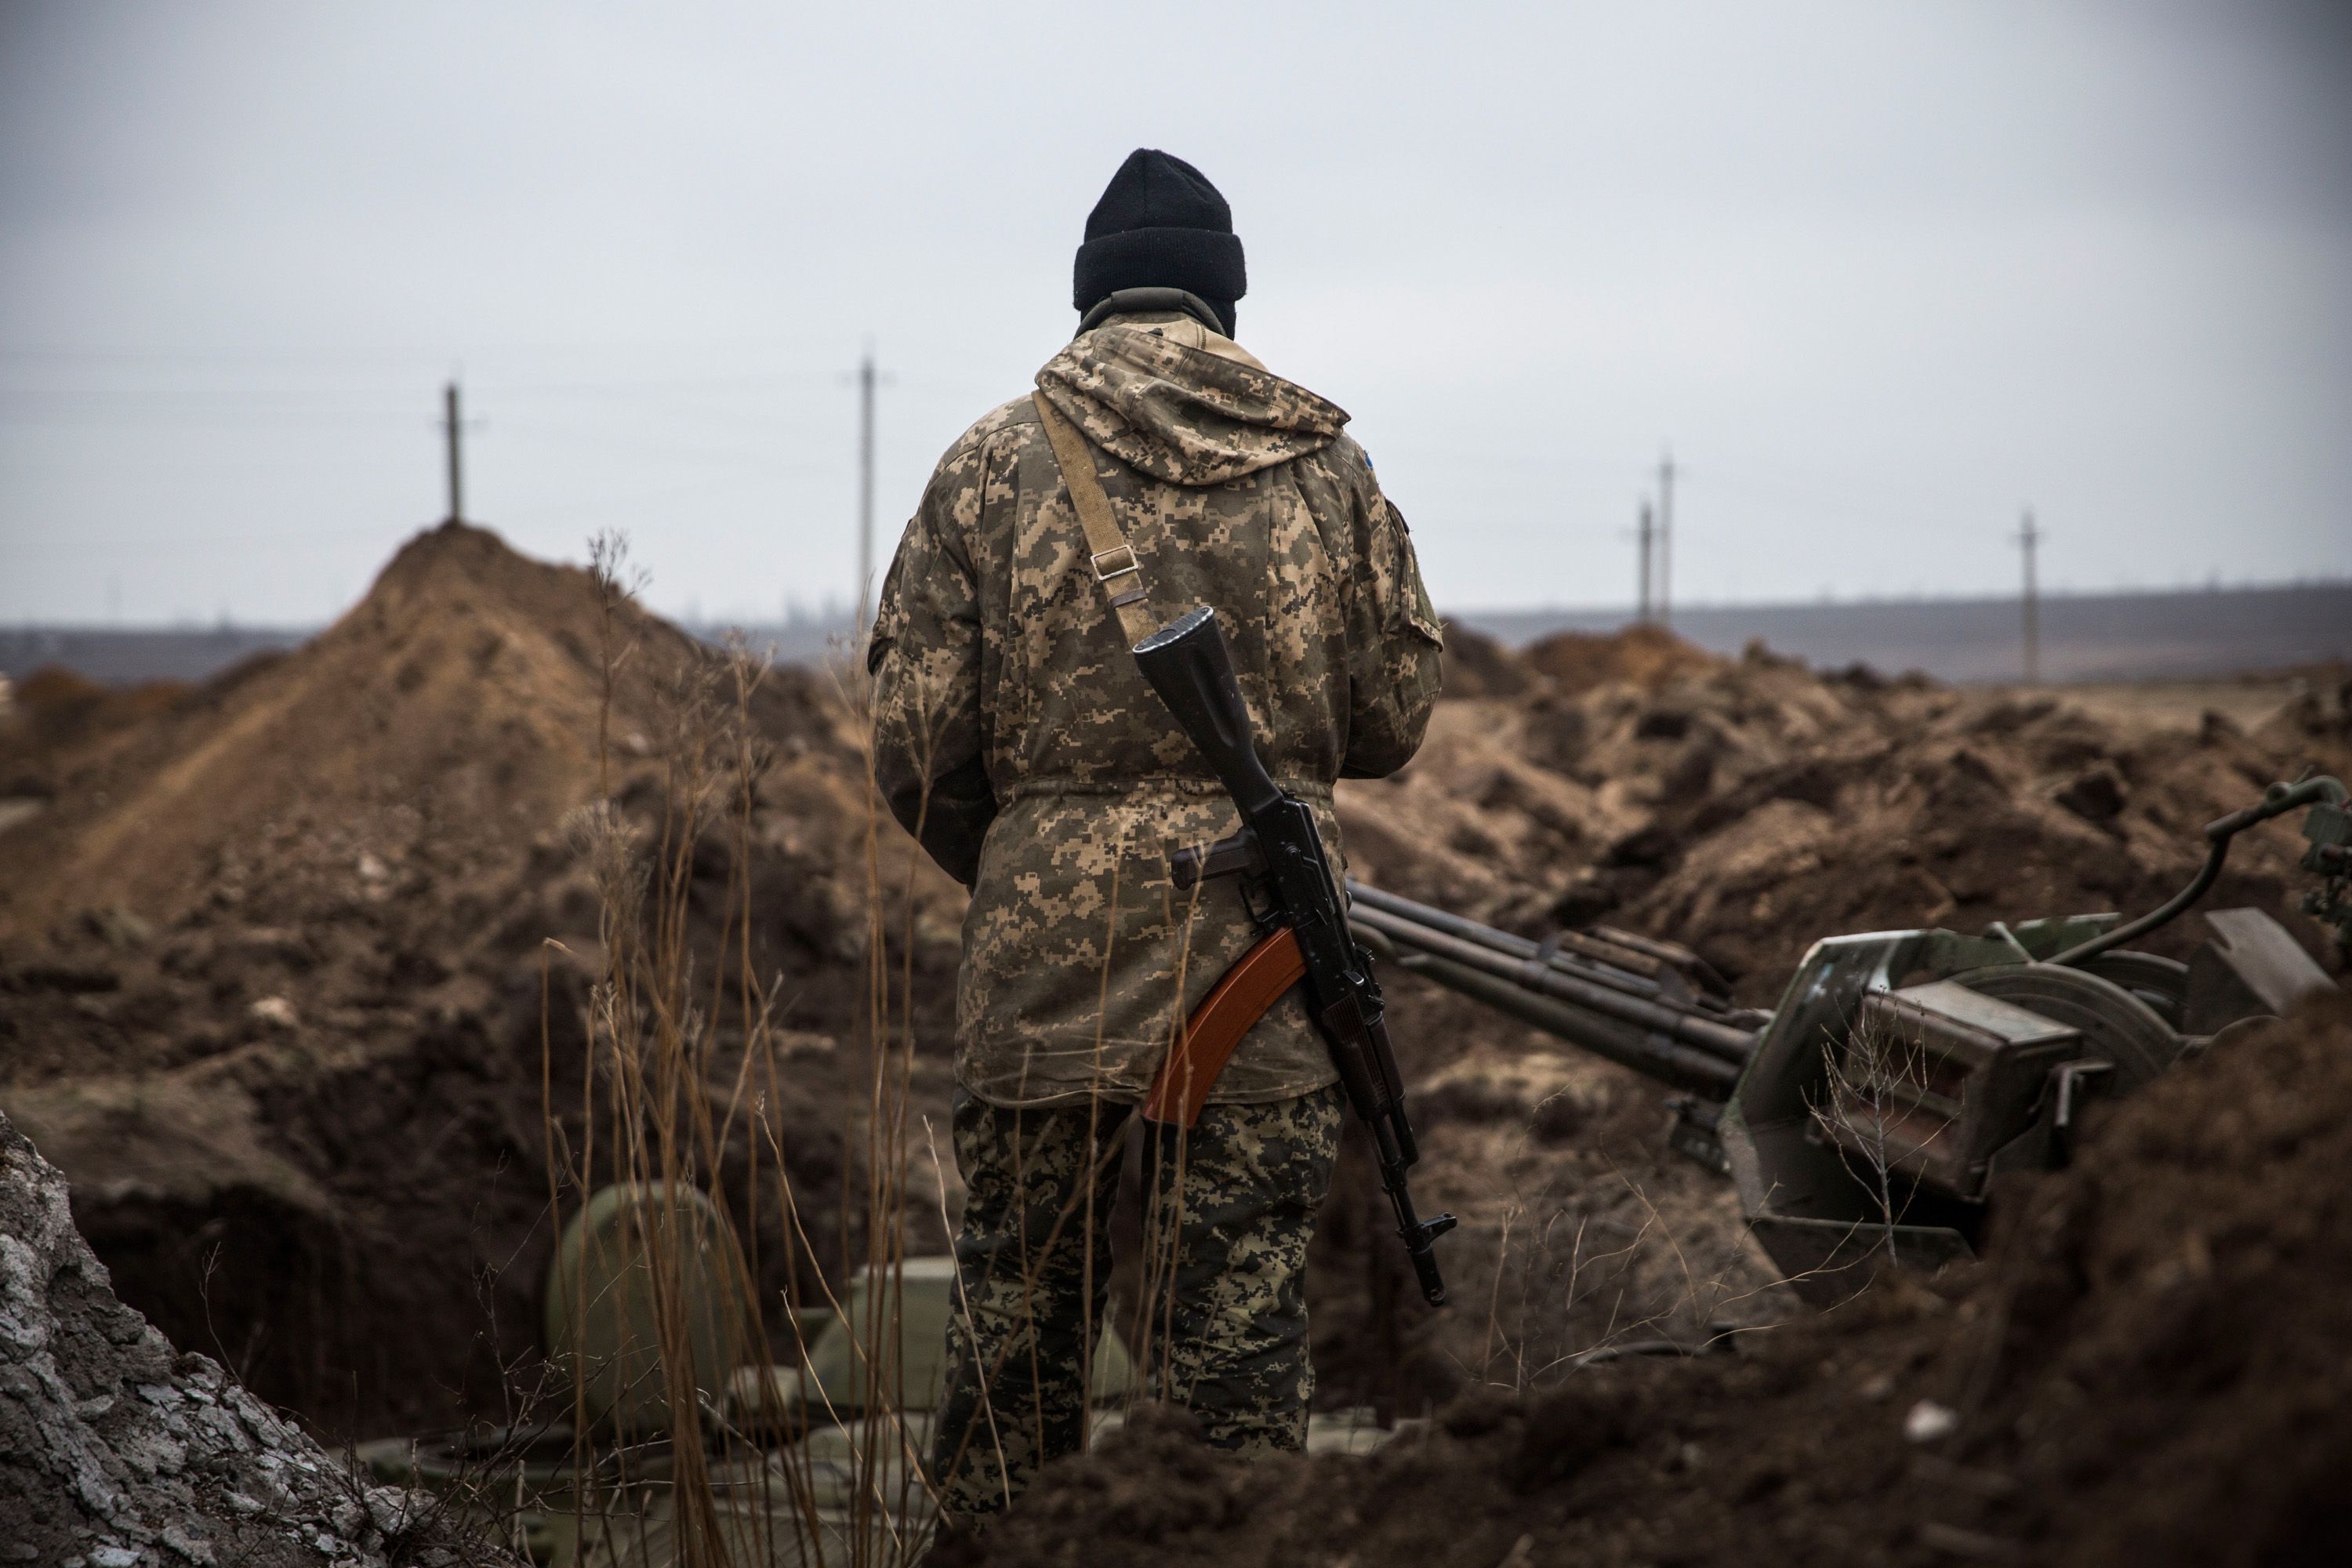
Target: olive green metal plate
x,y
646,1277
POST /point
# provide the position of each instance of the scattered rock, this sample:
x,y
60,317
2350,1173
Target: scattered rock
x,y
1479,666
1641,655
120,1452
1928,1421
1747,808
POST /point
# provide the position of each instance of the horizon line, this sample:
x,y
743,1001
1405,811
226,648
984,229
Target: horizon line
x,y
1627,609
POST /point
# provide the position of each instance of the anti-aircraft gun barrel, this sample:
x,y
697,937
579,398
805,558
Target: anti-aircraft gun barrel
x,y
1571,952
1905,1071
1627,1017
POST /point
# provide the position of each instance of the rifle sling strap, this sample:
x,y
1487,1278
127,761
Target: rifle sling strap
x,y
1113,561
1264,974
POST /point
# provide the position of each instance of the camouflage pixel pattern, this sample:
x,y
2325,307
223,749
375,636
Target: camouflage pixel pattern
x,y
1014,735
1229,1209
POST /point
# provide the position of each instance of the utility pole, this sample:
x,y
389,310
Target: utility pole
x,y
453,434
1667,539
867,377
1645,534
865,484
2028,538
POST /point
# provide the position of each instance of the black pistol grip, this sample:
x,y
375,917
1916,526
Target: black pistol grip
x,y
1421,1247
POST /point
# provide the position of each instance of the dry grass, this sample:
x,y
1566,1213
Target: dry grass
x,y
1576,1278
662,1103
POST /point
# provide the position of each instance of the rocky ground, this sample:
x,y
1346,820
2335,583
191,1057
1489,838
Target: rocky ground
x,y
119,1451
294,964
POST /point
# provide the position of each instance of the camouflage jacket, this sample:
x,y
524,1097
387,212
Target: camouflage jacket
x,y
1015,738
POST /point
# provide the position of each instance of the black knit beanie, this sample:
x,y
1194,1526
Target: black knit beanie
x,y
1161,224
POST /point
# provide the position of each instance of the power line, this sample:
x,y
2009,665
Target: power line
x,y
602,441
167,545
207,419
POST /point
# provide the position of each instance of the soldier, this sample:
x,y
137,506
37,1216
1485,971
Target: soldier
x,y
1016,740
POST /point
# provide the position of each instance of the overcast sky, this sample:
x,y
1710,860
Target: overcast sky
x,y
1880,274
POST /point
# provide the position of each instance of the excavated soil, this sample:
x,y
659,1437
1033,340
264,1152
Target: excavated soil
x,y
1746,807
2148,1367
277,991
275,963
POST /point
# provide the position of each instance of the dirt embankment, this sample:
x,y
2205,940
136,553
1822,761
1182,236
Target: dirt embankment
x,y
1749,807
272,966
50,720
2148,1368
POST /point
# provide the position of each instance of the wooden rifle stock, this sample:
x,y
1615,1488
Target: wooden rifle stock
x,y
1256,982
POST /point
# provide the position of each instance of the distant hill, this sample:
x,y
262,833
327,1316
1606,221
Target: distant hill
x,y
125,656
2174,635
2084,637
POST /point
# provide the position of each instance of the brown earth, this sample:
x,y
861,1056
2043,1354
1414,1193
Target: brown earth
x,y
271,963
1747,808
55,713
1644,656
2148,1368
272,966
1479,666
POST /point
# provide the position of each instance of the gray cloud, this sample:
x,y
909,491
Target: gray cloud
x,y
1880,275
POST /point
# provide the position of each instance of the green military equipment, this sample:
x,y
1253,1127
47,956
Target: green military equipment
x,y
1866,1116
646,1277
819,1452
887,1350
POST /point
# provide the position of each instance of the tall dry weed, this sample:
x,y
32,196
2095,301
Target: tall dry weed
x,y
678,1089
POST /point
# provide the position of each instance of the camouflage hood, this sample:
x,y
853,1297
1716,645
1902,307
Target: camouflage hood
x,y
1183,415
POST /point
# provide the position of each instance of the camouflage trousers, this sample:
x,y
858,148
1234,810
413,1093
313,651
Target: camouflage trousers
x,y
1229,1207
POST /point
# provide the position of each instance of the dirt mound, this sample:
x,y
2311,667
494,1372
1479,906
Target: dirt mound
x,y
453,713
1644,655
276,980
115,1450
273,983
1748,808
1479,666
2147,1368
52,719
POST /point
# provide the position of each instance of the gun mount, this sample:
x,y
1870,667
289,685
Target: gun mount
x,y
1869,1112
